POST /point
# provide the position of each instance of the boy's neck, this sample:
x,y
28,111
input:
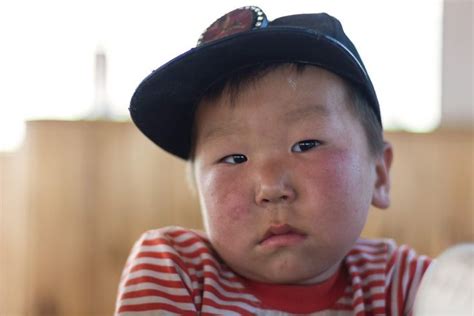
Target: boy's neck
x,y
300,298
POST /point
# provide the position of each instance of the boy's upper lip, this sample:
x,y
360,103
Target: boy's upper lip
x,y
280,229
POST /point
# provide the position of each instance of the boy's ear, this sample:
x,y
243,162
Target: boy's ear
x,y
381,194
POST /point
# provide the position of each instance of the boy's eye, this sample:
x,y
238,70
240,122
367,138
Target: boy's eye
x,y
304,145
234,159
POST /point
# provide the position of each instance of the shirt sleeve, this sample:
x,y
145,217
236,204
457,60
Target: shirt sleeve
x,y
155,278
406,269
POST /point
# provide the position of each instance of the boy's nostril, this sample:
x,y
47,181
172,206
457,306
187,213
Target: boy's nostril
x,y
282,198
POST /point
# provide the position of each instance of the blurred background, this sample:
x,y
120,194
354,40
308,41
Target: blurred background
x,y
79,183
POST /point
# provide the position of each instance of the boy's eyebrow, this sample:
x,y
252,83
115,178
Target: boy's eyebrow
x,y
303,112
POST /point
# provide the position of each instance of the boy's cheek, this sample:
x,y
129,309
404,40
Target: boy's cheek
x,y
337,178
330,170
227,216
224,198
228,210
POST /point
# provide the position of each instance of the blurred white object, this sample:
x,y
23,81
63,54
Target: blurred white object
x,y
447,287
101,108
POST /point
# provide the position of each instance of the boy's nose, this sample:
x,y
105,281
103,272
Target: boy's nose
x,y
273,185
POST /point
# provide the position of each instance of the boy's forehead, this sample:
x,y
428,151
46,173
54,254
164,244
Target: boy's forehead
x,y
209,127
303,94
286,77
293,77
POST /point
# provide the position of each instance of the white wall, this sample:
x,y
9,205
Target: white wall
x,y
457,67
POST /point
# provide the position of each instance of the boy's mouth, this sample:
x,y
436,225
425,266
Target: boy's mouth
x,y
282,235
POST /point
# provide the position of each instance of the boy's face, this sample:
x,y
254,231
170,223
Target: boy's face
x,y
285,176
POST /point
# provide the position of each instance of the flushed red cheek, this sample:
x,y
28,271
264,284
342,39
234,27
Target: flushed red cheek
x,y
334,190
230,208
332,173
230,221
227,202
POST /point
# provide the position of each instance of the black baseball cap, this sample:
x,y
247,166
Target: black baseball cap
x,y
164,103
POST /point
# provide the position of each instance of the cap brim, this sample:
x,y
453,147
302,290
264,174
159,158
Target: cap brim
x,y
163,105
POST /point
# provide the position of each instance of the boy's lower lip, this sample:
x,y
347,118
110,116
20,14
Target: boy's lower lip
x,y
281,240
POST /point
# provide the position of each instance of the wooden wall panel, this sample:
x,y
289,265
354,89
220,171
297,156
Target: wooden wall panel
x,y
78,194
59,221
14,234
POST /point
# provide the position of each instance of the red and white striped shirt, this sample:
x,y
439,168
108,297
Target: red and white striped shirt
x,y
175,271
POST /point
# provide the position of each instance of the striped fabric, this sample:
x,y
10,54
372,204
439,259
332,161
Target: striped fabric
x,y
175,271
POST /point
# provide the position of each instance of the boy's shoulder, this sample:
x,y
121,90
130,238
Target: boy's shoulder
x,y
381,248
172,241
387,272
386,254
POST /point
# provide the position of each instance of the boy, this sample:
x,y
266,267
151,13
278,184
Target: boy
x,y
281,126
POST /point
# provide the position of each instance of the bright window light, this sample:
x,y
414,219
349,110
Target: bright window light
x,y
47,60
